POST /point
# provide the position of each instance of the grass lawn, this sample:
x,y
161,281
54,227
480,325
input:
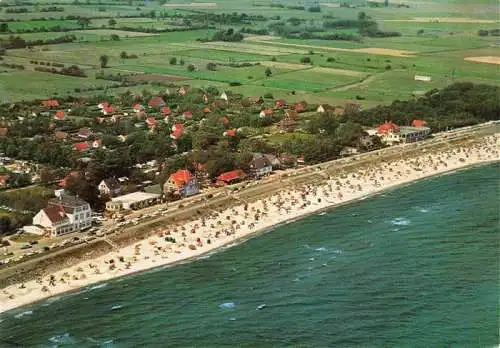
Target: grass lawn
x,y
308,80
221,55
26,85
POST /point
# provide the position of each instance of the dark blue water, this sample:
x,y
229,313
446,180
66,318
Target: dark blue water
x,y
414,267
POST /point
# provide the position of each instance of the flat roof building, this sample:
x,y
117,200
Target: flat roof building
x,y
132,201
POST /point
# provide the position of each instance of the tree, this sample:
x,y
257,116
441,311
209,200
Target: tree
x,y
361,16
173,61
268,72
191,67
123,55
4,27
305,60
420,32
104,61
83,22
115,37
482,32
112,22
211,66
78,186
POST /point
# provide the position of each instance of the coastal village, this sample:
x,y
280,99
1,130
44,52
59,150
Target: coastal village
x,y
186,125
96,179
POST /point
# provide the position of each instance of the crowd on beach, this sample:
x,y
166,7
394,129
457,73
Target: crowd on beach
x,y
217,228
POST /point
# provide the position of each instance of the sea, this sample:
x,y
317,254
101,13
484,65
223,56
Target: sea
x,y
416,266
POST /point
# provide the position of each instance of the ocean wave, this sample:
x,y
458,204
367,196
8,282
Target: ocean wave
x,y
107,344
400,221
227,305
23,314
423,210
62,339
321,249
115,307
98,286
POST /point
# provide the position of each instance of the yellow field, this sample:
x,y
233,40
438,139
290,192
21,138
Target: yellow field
x,y
484,59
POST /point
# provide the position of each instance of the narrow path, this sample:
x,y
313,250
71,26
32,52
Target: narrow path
x,y
369,79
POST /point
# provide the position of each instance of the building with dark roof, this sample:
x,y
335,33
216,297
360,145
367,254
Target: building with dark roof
x,y
64,214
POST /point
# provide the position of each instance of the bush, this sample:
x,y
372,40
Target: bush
x,y
482,32
268,95
330,59
305,60
211,66
181,62
234,83
173,61
388,67
191,67
273,59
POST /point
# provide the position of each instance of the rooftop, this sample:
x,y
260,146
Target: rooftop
x,y
68,201
135,197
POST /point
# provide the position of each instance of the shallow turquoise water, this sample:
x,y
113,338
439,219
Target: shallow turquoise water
x,y
414,267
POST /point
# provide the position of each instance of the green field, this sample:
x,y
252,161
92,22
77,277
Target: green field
x,y
435,45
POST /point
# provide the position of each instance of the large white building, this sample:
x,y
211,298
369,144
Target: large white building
x,y
131,201
64,214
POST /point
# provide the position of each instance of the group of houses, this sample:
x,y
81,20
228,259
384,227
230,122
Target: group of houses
x,y
392,134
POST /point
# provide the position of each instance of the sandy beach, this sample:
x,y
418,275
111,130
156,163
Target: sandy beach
x,y
175,243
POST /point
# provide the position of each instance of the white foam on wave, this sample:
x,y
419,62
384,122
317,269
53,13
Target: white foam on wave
x,y
400,221
98,286
23,314
115,307
227,305
423,210
62,339
321,249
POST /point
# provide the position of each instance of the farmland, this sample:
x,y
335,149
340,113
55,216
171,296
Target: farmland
x,y
437,39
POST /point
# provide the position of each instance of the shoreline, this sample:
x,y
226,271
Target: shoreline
x,y
367,186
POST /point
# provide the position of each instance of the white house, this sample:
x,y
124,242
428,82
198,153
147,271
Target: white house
x,y
423,78
260,165
223,96
320,109
109,187
65,214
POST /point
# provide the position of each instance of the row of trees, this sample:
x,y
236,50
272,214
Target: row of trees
x,y
458,105
13,42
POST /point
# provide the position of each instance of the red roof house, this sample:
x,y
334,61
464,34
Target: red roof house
x,y
52,103
299,107
177,131
64,181
4,179
230,133
206,110
157,102
232,176
180,178
418,123
387,127
59,115
138,107
266,112
108,110
165,110
187,114
280,103
83,146
151,122
55,213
